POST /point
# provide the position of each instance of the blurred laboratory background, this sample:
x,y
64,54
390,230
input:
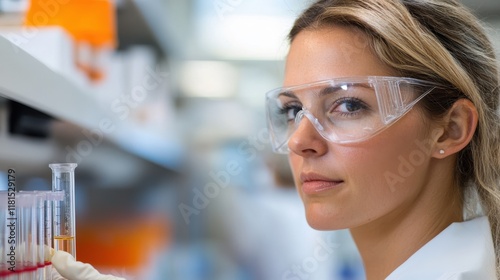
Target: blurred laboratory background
x,y
161,104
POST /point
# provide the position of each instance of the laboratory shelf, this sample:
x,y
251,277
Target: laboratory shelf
x,y
27,80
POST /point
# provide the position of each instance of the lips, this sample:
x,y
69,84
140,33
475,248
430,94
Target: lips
x,y
314,183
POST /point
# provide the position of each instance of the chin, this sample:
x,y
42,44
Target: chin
x,y
321,218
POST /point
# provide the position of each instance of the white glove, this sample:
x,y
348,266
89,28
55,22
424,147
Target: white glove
x,y
67,268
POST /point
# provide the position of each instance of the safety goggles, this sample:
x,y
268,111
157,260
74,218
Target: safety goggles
x,y
345,110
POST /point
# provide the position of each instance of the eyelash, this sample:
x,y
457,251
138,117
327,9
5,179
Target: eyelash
x,y
343,100
336,103
290,105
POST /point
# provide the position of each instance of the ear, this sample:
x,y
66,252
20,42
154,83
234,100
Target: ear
x,y
459,126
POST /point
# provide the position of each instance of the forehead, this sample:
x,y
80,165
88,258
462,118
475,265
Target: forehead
x,y
331,52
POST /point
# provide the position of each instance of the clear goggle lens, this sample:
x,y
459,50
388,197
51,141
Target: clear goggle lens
x,y
342,110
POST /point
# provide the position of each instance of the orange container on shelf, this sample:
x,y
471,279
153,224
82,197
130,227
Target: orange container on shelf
x,y
91,23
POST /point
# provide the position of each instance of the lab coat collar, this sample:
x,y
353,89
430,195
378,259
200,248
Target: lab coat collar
x,y
462,251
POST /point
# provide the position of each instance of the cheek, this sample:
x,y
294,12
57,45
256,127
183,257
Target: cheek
x,y
384,173
395,160
372,168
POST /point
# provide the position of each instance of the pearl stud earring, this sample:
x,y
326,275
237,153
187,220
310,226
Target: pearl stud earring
x,y
441,152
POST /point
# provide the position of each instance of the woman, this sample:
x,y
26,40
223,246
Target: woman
x,y
389,115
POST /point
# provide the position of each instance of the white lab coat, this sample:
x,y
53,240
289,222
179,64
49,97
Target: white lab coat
x,y
463,251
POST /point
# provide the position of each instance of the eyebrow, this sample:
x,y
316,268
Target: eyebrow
x,y
329,90
287,94
325,91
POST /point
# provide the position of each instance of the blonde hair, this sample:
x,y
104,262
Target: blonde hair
x,y
440,41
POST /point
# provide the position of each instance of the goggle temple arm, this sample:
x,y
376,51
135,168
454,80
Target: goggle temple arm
x,y
390,100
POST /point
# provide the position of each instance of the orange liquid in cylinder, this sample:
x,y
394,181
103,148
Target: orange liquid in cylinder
x,y
65,243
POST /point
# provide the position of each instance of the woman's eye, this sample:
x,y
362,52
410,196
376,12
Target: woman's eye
x,y
349,106
291,112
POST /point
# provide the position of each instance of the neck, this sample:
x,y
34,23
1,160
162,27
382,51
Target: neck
x,y
386,243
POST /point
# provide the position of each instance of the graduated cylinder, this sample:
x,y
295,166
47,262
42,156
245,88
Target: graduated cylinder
x,y
63,179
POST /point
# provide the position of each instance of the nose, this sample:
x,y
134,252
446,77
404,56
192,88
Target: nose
x,y
305,140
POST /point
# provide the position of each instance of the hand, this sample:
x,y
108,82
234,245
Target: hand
x,y
67,268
